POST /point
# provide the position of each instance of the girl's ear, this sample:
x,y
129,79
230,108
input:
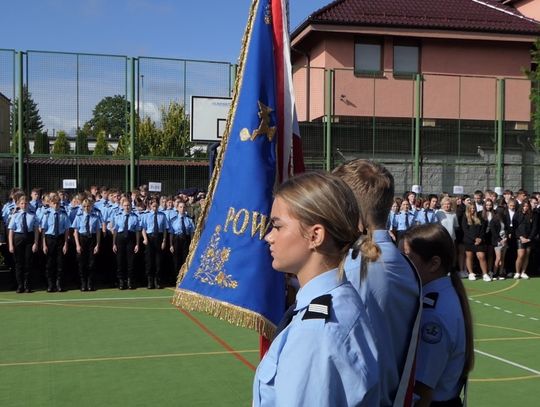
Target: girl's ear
x,y
316,235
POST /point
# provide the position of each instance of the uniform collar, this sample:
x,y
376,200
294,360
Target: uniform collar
x,y
318,286
381,236
439,284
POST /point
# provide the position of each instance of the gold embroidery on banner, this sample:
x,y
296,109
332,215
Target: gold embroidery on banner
x,y
261,226
268,14
240,222
264,126
212,268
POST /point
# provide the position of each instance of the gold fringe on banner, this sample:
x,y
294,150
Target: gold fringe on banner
x,y
233,314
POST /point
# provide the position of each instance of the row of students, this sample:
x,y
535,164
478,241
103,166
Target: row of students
x,y
87,227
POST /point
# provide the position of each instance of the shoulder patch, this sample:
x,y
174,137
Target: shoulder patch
x,y
430,300
319,308
432,332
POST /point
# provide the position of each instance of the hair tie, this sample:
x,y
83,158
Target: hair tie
x,y
357,245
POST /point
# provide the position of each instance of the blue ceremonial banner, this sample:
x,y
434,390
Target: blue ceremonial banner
x,y
228,272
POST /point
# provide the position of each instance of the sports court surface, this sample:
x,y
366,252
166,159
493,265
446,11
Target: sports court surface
x,y
120,348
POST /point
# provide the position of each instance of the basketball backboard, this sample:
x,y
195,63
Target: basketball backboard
x,y
208,118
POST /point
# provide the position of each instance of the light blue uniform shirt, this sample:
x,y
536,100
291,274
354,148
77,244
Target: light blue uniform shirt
x,y
133,222
147,222
403,221
7,211
176,225
391,293
47,222
424,216
16,222
441,347
319,362
94,223
34,205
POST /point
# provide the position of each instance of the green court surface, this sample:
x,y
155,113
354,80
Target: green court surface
x,y
133,348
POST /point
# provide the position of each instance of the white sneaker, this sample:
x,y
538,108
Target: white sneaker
x,y
486,277
472,277
463,274
516,276
524,276
502,278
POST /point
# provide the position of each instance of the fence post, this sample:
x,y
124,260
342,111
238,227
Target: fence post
x,y
418,117
328,97
132,132
499,171
20,124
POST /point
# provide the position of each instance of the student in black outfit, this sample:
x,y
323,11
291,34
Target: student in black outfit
x,y
524,233
474,229
23,243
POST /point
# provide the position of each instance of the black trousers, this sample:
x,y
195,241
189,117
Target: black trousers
x,y
125,257
181,249
55,259
86,259
154,255
23,258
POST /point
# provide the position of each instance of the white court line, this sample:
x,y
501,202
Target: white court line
x,y
80,300
508,362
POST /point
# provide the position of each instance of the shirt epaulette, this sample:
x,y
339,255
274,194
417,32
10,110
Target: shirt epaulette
x,y
430,300
319,308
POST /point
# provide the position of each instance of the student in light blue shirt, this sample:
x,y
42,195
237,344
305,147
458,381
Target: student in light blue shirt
x,y
181,231
155,226
389,287
403,220
126,236
323,354
427,215
23,243
445,350
55,228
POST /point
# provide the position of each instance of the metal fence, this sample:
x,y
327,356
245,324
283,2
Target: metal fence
x,y
437,131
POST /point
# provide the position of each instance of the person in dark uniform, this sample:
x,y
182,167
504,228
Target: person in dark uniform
x,y
154,225
87,228
126,237
445,355
474,230
55,226
523,233
23,242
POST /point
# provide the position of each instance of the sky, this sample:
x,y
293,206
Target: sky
x,y
185,29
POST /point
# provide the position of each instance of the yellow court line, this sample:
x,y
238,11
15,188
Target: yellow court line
x,y
115,358
507,339
496,292
505,379
104,306
509,329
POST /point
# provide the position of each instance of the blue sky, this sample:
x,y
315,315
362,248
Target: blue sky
x,y
187,29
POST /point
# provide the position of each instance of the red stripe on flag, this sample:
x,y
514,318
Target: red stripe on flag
x,y
277,28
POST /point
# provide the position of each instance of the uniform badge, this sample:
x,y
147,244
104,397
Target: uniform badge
x,y
319,308
430,300
431,332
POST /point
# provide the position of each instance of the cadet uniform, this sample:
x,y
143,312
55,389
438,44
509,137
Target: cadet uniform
x,y
325,356
391,293
403,221
155,225
55,226
87,226
181,229
126,227
24,226
424,216
441,346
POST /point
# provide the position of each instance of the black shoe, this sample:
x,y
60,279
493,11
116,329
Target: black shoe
x,y
59,289
91,288
121,285
131,284
157,283
20,289
28,290
150,285
50,289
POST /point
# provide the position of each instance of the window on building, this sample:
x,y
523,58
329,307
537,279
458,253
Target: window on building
x,y
406,59
368,57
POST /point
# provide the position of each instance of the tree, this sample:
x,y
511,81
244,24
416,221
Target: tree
x,y
175,122
32,123
149,139
81,143
61,145
41,143
110,115
534,75
102,147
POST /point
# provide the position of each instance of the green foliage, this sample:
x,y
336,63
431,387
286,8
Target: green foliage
x,y
61,144
102,146
81,143
32,123
111,115
149,138
41,143
15,144
175,138
534,76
